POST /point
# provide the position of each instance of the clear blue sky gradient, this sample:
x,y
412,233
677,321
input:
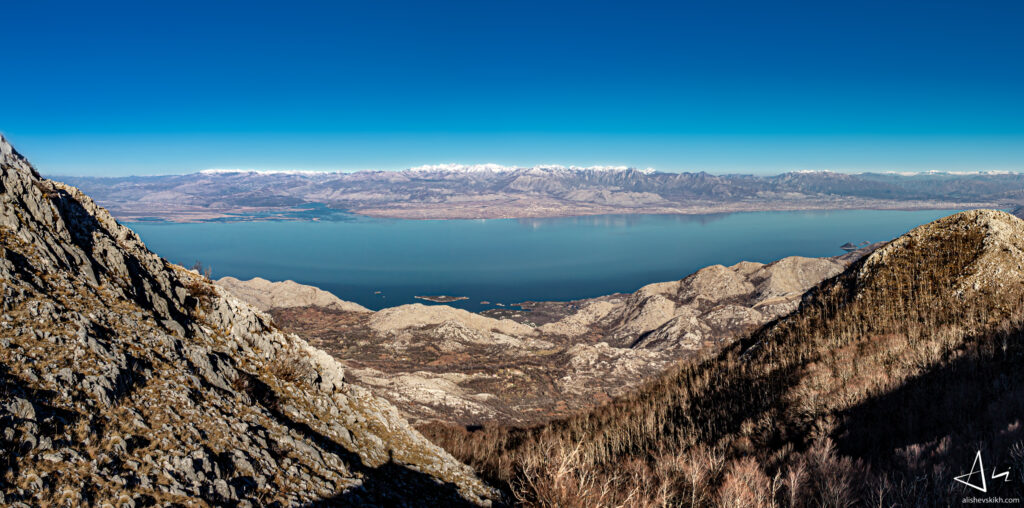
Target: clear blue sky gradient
x,y
109,88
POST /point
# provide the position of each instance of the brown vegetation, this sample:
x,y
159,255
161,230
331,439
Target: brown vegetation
x,y
870,394
291,367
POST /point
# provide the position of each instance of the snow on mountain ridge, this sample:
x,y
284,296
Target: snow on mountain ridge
x,y
498,168
218,171
446,168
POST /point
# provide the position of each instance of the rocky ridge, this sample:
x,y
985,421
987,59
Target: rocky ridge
x,y
128,381
999,264
265,295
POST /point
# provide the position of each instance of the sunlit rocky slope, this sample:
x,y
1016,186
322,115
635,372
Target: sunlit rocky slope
x,y
128,381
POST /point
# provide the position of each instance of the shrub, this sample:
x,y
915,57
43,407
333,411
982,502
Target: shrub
x,y
746,486
205,272
202,291
291,367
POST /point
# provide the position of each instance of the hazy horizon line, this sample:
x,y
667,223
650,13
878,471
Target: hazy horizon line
x,y
498,168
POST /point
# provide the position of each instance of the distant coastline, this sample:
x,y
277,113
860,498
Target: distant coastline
x,y
303,214
443,193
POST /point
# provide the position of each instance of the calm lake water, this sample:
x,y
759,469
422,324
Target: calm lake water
x,y
511,260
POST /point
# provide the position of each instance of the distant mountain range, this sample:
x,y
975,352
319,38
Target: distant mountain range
x,y
491,191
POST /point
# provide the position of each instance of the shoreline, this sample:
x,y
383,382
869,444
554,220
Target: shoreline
x,y
478,213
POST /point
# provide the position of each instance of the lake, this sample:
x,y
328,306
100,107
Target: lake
x,y
385,262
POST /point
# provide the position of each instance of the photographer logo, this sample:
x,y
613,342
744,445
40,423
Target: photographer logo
x,y
976,477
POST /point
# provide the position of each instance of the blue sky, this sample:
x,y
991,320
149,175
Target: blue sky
x,y
111,88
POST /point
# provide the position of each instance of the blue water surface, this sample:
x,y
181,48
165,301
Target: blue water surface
x,y
385,262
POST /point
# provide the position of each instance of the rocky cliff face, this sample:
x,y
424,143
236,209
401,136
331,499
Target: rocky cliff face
x,y
548,359
129,381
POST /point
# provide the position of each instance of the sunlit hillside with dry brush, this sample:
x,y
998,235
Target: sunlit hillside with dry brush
x,y
878,391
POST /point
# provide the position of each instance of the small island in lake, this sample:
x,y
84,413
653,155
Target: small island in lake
x,y
442,298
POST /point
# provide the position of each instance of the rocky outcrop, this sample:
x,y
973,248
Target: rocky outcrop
x,y
419,315
1000,259
265,295
582,321
718,302
130,381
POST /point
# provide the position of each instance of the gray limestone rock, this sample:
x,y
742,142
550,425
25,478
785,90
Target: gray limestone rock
x,y
112,356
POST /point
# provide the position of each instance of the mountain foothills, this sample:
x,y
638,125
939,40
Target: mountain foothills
x,y
128,381
489,191
546,359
